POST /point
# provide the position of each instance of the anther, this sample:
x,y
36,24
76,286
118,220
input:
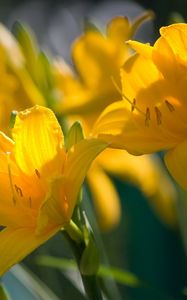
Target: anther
x,y
18,190
147,116
133,105
30,202
158,115
10,181
14,200
169,106
37,173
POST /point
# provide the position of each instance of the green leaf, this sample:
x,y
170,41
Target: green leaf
x,y
175,17
3,293
181,206
28,46
89,264
45,77
184,291
121,276
56,262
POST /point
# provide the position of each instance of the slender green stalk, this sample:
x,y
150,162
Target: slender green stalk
x,y
74,232
90,282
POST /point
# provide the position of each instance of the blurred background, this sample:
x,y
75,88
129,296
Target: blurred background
x,y
141,243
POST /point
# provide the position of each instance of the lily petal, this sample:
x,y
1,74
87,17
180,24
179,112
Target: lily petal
x,y
122,130
16,244
15,207
143,49
147,93
78,161
176,37
165,59
38,142
176,161
105,197
54,209
16,216
98,55
119,29
138,75
6,144
147,173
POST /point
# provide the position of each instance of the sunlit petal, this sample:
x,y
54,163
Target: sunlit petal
x,y
16,244
143,49
38,142
55,208
6,144
121,129
79,159
176,36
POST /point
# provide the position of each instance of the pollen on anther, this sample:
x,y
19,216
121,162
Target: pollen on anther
x,y
37,173
158,116
147,116
18,190
169,106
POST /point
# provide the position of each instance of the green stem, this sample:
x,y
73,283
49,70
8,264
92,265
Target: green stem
x,y
91,287
74,232
90,282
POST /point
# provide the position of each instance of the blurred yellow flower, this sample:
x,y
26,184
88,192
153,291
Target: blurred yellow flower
x,y
39,182
97,60
145,172
17,89
152,115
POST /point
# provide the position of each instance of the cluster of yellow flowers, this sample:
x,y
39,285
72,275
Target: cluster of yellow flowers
x,y
41,174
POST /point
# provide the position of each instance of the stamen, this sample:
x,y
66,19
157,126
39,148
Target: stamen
x,y
169,106
158,116
18,190
147,116
37,173
133,105
30,202
11,182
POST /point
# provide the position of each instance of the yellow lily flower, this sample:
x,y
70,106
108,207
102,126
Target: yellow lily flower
x,y
17,90
97,59
152,115
39,182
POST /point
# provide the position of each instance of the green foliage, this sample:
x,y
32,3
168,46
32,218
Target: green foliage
x,y
37,63
121,276
3,293
89,264
28,45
